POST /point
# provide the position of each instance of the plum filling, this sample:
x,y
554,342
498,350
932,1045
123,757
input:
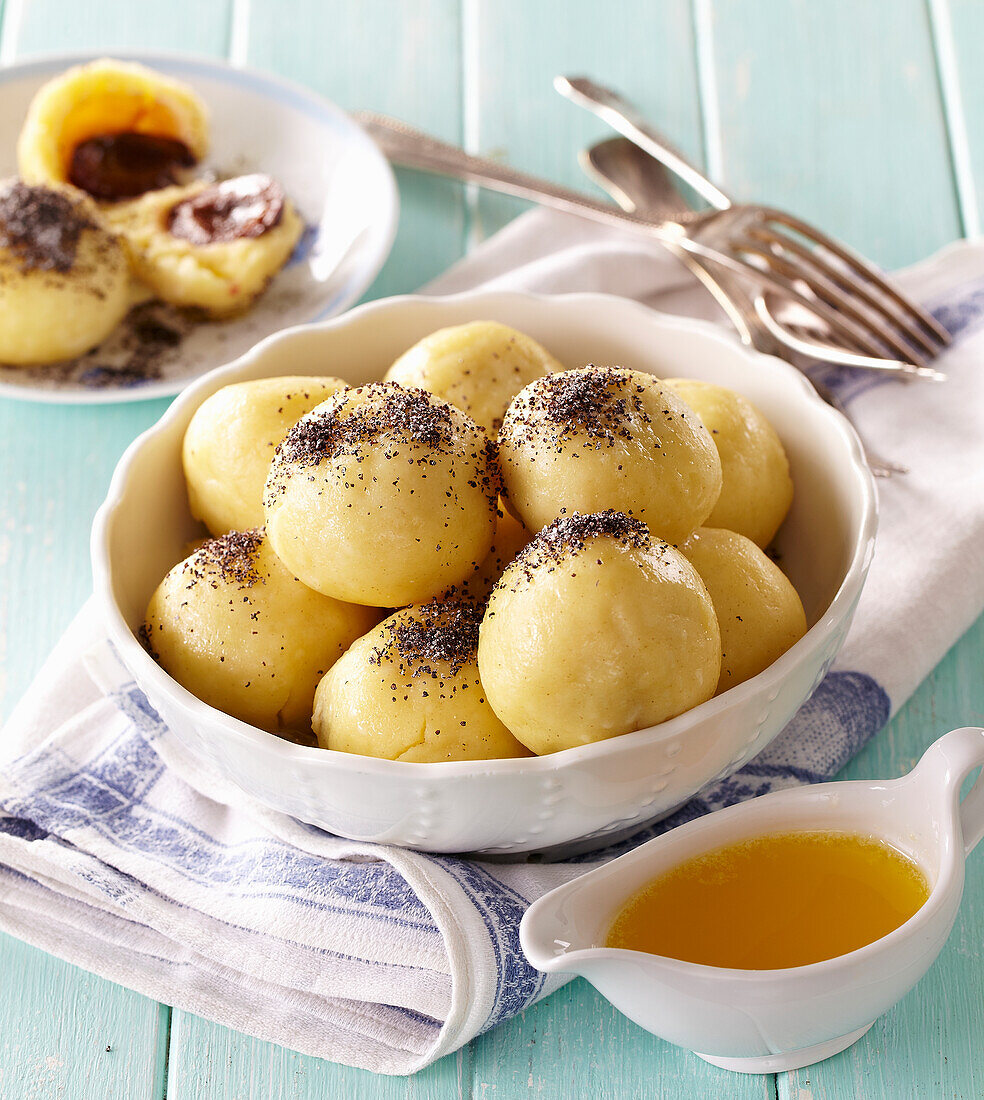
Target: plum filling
x,y
122,166
248,206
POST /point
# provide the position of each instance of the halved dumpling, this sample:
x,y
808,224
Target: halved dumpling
x,y
209,246
71,119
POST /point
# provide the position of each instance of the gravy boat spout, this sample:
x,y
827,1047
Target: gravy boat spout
x,y
765,1021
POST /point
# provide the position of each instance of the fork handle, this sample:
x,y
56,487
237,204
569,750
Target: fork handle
x,y
610,107
414,149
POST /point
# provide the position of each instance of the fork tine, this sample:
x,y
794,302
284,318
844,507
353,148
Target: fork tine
x,y
844,328
862,267
804,343
834,297
910,330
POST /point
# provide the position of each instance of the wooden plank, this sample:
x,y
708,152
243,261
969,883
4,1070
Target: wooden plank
x,y
834,111
56,1020
514,49
57,462
46,26
210,1062
400,59
929,1044
959,31
576,1044
67,1033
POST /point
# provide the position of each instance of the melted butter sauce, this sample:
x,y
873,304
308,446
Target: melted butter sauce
x,y
772,902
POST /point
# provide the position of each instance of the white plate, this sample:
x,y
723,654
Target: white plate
x,y
340,182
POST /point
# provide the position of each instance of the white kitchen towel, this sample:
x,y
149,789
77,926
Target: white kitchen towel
x,y
119,854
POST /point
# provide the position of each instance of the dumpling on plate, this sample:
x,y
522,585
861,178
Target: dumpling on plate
x,y
114,129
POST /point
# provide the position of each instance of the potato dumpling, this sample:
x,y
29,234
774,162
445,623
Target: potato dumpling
x,y
113,128
209,246
758,610
64,282
756,490
596,629
608,438
510,537
238,630
479,366
383,495
229,445
410,690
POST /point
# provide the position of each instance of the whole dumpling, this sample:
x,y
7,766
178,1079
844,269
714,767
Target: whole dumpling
x,y
596,629
64,277
758,610
383,495
230,443
232,625
757,489
603,438
410,690
479,367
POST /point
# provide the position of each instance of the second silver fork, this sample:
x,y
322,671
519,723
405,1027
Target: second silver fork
x,y
640,184
857,306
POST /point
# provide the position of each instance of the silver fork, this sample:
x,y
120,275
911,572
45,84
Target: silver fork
x,y
638,183
860,310
414,149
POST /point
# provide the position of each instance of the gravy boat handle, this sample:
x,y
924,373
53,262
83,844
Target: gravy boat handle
x,y
947,763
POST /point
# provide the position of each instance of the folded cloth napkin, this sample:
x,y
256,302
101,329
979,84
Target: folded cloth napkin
x,y
120,854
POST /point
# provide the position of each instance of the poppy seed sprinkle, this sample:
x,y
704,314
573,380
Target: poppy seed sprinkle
x,y
232,556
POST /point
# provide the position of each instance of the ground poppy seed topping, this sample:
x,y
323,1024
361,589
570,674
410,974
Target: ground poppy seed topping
x,y
232,556
437,641
389,420
143,634
597,404
570,534
41,227
391,413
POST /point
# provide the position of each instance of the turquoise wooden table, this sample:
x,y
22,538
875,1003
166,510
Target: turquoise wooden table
x,y
866,116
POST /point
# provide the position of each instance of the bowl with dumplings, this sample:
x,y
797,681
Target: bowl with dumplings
x,y
491,573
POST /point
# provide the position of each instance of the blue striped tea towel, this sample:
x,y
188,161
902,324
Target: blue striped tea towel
x,y
119,854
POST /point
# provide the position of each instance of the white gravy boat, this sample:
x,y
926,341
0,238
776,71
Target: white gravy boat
x,y
766,1021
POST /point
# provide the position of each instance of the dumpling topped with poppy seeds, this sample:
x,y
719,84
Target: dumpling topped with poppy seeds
x,y
410,690
383,495
597,628
232,625
604,437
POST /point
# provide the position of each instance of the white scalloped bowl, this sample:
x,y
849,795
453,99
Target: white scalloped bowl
x,y
574,798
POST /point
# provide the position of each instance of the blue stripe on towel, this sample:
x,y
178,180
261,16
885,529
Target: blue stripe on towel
x,y
109,795
517,983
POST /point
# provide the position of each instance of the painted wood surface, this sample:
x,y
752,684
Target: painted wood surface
x,y
868,117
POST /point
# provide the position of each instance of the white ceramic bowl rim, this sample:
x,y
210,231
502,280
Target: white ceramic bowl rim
x,y
860,557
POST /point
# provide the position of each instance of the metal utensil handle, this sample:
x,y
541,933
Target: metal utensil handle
x,y
623,117
414,149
